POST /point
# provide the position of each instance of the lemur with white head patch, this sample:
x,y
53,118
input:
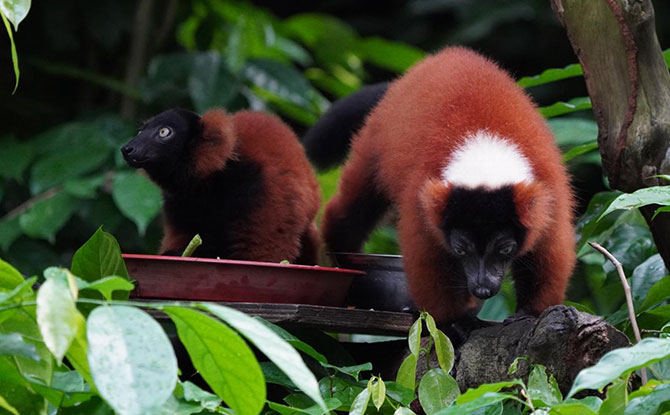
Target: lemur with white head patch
x,y
463,155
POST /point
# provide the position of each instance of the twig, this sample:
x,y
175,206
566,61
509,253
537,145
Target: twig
x,y
192,246
629,297
32,201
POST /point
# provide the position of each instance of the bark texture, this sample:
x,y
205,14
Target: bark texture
x,y
629,86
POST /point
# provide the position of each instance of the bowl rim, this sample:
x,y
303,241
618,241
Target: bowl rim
x,y
259,264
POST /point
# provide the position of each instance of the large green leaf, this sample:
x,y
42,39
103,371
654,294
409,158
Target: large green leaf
x,y
437,390
14,344
222,358
306,348
99,257
561,108
360,404
621,361
280,79
616,399
657,293
10,277
15,158
542,389
651,403
472,394
443,347
645,276
551,75
131,359
10,230
87,149
406,375
276,349
48,216
57,316
394,56
210,82
659,195
482,401
15,10
137,198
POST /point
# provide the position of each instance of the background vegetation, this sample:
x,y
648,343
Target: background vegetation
x,y
91,71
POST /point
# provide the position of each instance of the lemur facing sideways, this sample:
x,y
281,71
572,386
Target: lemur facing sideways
x,y
241,181
463,155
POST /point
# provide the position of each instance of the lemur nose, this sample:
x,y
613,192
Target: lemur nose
x,y
482,292
126,150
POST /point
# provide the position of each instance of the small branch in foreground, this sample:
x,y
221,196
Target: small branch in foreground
x,y
627,292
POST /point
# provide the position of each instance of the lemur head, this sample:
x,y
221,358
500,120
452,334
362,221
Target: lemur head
x,y
160,145
486,210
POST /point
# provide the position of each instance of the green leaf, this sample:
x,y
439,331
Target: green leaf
x,y
551,75
571,131
67,389
10,230
360,403
651,403
84,188
394,56
407,372
276,349
131,359
659,195
307,349
21,292
222,358
353,371
644,277
99,257
14,344
48,216
15,56
403,411
57,317
561,108
377,390
481,401
662,209
577,151
280,79
399,393
87,151
414,337
106,286
473,394
137,198
619,362
210,82
616,399
15,10
6,406
572,408
658,292
194,393
443,347
543,389
77,355
15,158
10,278
437,390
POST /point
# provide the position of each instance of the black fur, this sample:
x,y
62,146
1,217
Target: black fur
x,y
483,234
483,213
201,206
327,141
191,204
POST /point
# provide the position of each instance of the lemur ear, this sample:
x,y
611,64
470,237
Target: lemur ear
x,y
533,203
433,198
217,143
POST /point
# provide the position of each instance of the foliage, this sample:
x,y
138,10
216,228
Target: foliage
x,y
61,351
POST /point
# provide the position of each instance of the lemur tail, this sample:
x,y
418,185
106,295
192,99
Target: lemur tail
x,y
327,141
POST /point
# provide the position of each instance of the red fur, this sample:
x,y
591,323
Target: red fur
x,y
282,226
401,151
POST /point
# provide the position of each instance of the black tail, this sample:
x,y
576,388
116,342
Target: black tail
x,y
327,142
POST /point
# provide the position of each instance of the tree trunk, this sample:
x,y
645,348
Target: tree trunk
x,y
629,85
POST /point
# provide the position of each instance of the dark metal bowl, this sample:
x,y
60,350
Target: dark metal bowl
x,y
384,286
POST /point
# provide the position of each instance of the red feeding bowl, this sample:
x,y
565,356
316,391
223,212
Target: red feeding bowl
x,y
207,279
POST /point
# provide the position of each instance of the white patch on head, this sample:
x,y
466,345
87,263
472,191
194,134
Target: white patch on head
x,y
486,159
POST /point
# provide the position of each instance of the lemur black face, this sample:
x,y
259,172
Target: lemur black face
x,y
161,141
484,235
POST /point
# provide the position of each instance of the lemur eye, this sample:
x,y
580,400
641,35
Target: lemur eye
x,y
507,249
164,132
459,251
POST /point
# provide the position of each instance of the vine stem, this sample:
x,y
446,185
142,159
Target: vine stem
x,y
627,292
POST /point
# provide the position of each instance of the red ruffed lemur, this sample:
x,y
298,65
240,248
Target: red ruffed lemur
x,y
470,166
241,181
